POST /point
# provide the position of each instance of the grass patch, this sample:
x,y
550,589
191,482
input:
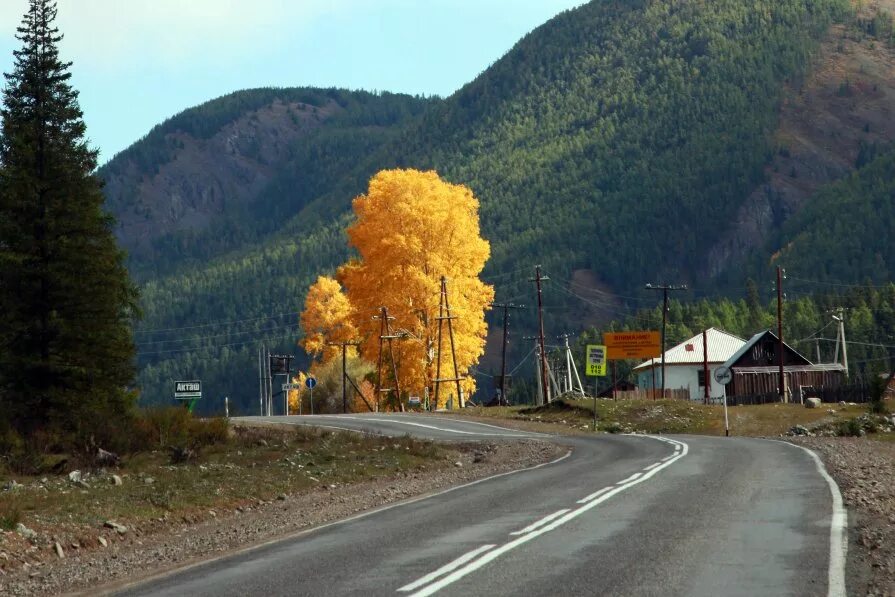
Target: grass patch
x,y
672,416
255,464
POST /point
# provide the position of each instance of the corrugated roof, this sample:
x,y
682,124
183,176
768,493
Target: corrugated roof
x,y
720,344
748,346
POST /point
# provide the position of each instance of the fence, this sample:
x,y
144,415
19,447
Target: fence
x,y
648,394
857,393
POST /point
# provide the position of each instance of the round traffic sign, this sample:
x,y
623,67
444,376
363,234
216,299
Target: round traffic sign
x,y
311,382
723,375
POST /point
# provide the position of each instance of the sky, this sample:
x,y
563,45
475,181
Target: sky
x,y
138,62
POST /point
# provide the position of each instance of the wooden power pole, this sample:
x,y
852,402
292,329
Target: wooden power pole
x,y
503,352
344,346
386,335
542,352
444,314
781,384
664,288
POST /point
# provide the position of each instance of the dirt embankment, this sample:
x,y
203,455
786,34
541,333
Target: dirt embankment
x,y
865,473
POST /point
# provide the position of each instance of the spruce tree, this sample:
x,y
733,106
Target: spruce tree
x,y
66,302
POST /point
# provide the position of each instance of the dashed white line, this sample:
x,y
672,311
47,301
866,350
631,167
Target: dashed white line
x,y
541,522
449,567
493,554
595,494
629,479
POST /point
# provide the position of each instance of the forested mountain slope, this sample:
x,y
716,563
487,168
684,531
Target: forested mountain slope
x,y
231,171
616,140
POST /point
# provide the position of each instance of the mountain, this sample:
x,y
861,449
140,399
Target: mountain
x,y
621,142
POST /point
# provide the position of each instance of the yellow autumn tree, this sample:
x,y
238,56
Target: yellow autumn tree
x,y
326,318
413,228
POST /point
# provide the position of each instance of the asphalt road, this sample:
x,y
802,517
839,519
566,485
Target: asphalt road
x,y
619,515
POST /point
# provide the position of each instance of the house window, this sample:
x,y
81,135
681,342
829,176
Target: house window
x,y
700,375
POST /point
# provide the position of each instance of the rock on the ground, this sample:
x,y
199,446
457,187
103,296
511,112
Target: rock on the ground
x,y
118,528
812,403
102,541
25,531
59,551
74,476
116,480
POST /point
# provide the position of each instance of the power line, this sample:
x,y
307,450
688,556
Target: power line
x,y
840,284
197,338
214,323
182,350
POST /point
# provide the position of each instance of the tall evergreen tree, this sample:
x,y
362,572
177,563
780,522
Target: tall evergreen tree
x,y
66,302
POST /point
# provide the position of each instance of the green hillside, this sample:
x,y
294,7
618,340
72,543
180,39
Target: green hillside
x,y
617,137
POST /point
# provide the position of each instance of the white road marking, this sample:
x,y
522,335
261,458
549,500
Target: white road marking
x,y
400,422
595,494
653,465
667,458
629,479
489,425
445,569
539,523
496,553
838,526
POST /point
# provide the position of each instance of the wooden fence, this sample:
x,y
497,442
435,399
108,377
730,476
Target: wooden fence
x,y
648,394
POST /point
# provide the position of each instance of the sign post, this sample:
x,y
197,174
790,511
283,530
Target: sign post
x,y
311,382
595,366
724,376
286,388
190,391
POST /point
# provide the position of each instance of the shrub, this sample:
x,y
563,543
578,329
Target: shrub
x,y
850,428
10,513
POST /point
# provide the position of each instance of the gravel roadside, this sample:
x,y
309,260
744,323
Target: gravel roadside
x,y
863,468
140,553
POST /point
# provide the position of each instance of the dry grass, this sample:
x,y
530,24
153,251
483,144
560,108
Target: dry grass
x,y
671,416
255,465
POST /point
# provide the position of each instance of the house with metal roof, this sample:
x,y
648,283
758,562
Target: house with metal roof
x,y
756,369
685,364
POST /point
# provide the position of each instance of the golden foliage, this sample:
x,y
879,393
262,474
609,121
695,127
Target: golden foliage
x,y
413,228
326,318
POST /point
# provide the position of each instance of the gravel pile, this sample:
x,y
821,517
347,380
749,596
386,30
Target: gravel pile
x,y
864,470
142,551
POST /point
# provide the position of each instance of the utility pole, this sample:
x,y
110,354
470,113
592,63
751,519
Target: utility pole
x,y
542,352
344,346
782,381
385,333
444,314
503,352
538,370
664,288
840,337
706,382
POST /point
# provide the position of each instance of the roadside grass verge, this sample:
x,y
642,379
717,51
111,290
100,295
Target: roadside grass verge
x,y
255,465
671,416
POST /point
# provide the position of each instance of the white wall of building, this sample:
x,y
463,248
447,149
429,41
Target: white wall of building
x,y
682,377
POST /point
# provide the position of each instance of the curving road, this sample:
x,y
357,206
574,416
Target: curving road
x,y
619,515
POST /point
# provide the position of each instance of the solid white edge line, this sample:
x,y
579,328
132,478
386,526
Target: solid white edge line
x,y
595,494
652,466
449,567
297,534
838,526
541,522
495,553
487,425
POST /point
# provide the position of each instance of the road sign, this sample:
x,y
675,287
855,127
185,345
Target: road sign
x,y
723,375
596,360
414,401
188,390
311,382
291,386
632,345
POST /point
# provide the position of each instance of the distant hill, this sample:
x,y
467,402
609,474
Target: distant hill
x,y
619,143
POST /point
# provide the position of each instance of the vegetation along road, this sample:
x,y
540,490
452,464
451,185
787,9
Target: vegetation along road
x,y
618,514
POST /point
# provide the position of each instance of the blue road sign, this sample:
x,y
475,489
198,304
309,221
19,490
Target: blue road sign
x,y
311,382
